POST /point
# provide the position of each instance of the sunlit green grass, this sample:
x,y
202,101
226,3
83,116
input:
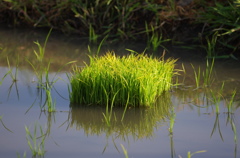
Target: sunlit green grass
x,y
133,80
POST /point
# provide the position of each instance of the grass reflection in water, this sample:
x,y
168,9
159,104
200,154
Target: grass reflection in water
x,y
138,122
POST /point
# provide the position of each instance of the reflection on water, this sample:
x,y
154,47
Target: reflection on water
x,y
137,122
185,119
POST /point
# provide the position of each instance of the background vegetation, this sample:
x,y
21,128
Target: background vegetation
x,y
199,21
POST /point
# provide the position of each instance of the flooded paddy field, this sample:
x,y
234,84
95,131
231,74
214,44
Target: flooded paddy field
x,y
188,118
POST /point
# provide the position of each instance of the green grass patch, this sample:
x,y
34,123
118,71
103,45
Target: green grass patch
x,y
132,80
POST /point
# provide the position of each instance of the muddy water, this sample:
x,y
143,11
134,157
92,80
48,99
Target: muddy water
x,y
81,131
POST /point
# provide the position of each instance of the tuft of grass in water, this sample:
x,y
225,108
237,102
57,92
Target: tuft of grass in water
x,y
197,76
111,78
41,70
47,86
37,148
39,67
206,75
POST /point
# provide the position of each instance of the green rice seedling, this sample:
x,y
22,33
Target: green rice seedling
x,y
47,86
98,48
208,73
141,77
155,39
172,121
124,151
211,45
108,114
189,154
37,148
230,104
41,49
39,68
197,75
93,37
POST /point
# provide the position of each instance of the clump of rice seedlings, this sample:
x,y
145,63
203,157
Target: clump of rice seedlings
x,y
205,75
39,67
37,148
135,80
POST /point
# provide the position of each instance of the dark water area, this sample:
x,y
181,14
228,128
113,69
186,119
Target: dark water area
x,y
144,132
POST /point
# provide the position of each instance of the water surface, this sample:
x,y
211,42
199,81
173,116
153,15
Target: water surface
x,y
82,132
